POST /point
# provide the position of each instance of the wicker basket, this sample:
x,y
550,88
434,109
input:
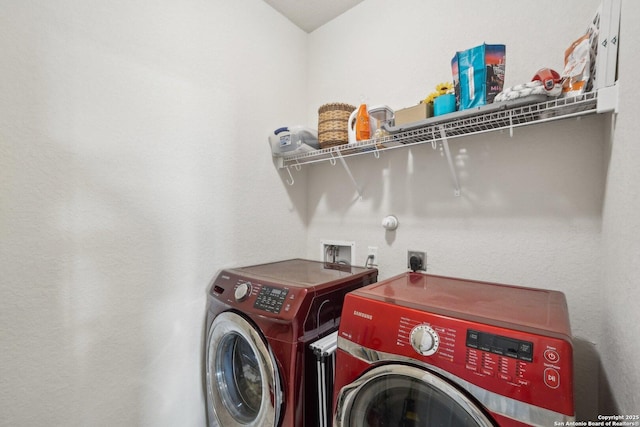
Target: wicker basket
x,y
333,124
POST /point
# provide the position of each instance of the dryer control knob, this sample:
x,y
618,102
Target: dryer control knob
x,y
424,340
242,291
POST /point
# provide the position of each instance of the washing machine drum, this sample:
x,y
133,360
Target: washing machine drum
x,y
402,395
243,387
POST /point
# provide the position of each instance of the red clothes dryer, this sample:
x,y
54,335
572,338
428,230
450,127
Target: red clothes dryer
x,y
261,319
423,350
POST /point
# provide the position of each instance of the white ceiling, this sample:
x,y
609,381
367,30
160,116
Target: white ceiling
x,y
311,14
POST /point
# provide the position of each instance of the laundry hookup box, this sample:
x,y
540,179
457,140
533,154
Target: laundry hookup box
x,y
478,75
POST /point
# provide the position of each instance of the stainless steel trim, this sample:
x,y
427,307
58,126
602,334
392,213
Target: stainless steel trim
x,y
348,393
269,413
493,402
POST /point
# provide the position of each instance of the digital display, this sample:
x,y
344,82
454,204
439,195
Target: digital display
x,y
503,346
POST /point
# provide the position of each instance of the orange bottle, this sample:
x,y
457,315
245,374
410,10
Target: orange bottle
x,y
363,129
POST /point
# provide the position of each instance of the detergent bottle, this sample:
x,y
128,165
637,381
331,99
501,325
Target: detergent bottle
x,y
362,126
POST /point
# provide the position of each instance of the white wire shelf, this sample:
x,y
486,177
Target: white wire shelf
x,y
509,118
438,132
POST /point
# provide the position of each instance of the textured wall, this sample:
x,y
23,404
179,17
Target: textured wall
x,y
621,231
133,164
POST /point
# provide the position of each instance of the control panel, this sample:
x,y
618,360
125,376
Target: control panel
x,y
503,346
271,299
498,356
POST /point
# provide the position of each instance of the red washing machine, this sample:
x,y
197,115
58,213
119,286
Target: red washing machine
x,y
261,319
423,350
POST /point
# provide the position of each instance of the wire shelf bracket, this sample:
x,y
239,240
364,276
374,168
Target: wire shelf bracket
x,y
353,180
452,169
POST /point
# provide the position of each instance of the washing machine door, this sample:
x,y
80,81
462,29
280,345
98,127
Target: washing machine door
x,y
243,386
405,396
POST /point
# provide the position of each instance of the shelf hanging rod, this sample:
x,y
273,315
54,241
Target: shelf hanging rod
x,y
332,160
376,152
290,181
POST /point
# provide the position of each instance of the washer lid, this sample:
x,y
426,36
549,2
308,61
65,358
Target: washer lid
x,y
302,273
497,304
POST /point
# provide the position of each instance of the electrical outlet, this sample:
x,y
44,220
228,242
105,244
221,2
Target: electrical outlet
x,y
372,256
422,257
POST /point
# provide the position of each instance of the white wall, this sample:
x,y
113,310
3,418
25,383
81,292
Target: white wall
x,y
133,165
620,292
530,212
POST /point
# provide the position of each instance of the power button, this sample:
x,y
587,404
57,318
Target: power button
x,y
552,356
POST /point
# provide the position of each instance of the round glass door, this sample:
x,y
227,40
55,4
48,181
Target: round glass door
x,y
242,383
405,396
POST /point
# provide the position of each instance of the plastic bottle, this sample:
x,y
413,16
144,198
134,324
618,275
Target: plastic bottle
x,y
363,129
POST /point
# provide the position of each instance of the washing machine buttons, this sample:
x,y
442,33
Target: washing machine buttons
x,y
424,340
551,378
505,377
551,356
242,291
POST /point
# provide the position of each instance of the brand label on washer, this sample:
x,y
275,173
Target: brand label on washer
x,y
363,315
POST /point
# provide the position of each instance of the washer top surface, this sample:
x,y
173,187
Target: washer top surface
x,y
301,273
502,305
